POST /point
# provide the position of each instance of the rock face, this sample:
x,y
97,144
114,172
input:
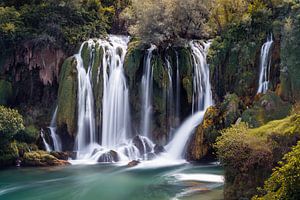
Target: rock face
x,y
266,108
41,159
215,119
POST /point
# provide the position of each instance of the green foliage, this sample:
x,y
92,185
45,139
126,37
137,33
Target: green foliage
x,y
290,49
6,92
11,122
167,21
28,135
284,182
248,155
62,23
8,154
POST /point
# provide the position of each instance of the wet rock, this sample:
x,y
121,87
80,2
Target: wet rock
x,y
41,159
142,144
109,156
60,155
133,163
151,156
159,149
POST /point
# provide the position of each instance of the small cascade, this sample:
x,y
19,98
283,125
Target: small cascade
x,y
170,98
177,111
202,99
265,64
147,83
86,117
116,114
47,146
55,138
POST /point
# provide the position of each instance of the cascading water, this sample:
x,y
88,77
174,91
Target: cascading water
x,y
170,98
177,111
55,138
116,117
265,64
47,146
147,83
202,99
86,117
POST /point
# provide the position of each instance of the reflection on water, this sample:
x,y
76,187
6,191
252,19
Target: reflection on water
x,y
111,182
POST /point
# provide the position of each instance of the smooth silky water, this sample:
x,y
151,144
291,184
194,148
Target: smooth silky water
x,y
112,182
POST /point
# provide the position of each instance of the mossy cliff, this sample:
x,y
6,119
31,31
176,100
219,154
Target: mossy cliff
x,y
134,64
67,99
248,155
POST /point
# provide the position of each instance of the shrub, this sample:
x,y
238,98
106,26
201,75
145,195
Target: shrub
x,y
284,182
11,122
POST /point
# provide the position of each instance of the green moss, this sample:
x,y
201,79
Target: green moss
x,y
67,96
85,55
39,158
268,107
243,150
188,86
133,61
160,75
6,92
287,126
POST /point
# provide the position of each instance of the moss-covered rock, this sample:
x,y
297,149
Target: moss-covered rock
x,y
67,97
215,119
268,107
41,159
6,92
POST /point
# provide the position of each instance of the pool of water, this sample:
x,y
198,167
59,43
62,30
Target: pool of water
x,y
112,182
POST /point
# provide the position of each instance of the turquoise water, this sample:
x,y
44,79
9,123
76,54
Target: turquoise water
x,y
111,182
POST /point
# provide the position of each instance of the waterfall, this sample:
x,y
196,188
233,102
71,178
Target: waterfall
x,y
55,138
202,99
47,146
265,64
177,111
116,117
147,83
86,117
170,98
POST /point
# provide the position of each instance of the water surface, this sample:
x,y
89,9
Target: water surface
x,y
112,182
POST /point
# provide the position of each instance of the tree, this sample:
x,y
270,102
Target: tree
x,y
167,21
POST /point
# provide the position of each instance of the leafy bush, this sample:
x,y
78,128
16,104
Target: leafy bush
x,y
28,135
11,122
284,182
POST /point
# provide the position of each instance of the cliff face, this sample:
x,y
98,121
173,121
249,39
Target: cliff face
x,y
31,73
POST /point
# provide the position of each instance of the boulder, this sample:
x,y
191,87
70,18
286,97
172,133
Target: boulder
x,y
60,155
142,144
158,149
41,159
109,156
133,163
